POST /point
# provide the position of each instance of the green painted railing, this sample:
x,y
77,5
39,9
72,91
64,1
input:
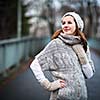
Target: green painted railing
x,y
13,50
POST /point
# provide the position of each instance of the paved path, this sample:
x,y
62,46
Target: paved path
x,y
25,86
93,84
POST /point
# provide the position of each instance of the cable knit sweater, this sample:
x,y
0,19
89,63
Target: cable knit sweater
x,y
61,60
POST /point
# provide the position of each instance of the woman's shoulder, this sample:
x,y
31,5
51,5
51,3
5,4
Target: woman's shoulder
x,y
53,43
51,46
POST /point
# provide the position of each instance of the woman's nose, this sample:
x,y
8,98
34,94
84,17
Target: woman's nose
x,y
66,24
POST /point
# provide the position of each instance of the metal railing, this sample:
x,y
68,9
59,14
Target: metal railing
x,y
13,50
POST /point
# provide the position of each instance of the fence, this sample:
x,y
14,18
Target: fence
x,y
13,50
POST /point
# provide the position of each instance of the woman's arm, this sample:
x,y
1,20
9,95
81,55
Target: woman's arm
x,y
88,68
50,86
89,58
36,69
85,60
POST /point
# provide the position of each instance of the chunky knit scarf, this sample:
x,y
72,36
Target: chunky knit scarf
x,y
75,42
69,39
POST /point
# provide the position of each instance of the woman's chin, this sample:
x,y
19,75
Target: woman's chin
x,y
68,33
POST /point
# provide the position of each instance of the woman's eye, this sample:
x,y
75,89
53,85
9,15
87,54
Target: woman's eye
x,y
69,22
63,23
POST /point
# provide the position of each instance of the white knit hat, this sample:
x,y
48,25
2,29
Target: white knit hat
x,y
78,19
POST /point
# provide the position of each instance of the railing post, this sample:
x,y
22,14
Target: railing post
x,y
19,21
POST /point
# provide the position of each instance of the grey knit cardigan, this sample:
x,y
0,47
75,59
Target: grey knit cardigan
x,y
59,58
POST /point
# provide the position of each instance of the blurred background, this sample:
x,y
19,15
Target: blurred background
x,y
26,26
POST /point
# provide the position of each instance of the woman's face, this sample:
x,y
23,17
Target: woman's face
x,y
68,25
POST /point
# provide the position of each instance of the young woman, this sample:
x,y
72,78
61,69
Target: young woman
x,y
67,57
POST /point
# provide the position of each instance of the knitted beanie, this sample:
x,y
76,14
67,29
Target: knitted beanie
x,y
77,18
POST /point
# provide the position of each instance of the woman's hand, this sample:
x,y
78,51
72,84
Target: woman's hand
x,y
62,83
51,86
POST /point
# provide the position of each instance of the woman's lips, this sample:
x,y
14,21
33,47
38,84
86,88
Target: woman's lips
x,y
66,29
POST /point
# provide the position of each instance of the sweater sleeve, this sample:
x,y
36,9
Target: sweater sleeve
x,y
88,68
36,69
90,59
85,60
